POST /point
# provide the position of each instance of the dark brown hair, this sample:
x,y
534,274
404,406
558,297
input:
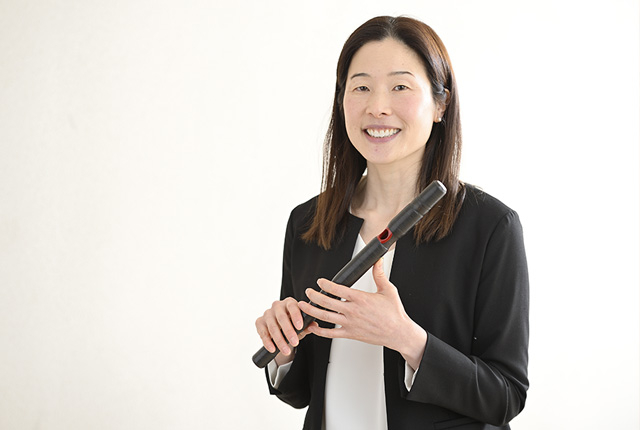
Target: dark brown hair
x,y
343,165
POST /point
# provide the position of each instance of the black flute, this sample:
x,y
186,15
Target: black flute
x,y
372,252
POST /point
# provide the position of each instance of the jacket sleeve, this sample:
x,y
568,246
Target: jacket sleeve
x,y
490,383
294,388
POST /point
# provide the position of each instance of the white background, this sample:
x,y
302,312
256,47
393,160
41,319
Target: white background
x,y
150,153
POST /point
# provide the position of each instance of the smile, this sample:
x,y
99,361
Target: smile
x,y
384,132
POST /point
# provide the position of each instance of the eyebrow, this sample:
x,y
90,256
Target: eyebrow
x,y
366,75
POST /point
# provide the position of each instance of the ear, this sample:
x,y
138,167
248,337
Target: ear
x,y
442,107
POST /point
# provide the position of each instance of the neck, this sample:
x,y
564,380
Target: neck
x,y
386,189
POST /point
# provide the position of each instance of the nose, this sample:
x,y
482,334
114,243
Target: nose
x,y
379,104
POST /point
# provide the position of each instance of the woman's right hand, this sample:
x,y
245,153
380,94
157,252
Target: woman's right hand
x,y
277,328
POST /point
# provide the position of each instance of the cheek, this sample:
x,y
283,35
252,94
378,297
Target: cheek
x,y
413,107
351,111
348,106
420,113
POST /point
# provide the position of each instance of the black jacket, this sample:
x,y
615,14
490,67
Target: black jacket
x,y
469,291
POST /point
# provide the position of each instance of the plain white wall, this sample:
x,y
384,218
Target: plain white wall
x,y
150,153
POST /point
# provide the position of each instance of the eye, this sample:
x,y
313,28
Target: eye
x,y
400,88
361,88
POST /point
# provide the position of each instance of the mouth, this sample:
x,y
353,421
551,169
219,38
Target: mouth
x,y
382,132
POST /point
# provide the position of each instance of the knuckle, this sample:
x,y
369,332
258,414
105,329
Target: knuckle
x,y
273,330
289,332
292,305
285,326
282,318
327,315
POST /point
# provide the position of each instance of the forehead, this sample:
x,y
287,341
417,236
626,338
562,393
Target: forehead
x,y
384,57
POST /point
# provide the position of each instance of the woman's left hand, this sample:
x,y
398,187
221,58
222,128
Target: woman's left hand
x,y
375,318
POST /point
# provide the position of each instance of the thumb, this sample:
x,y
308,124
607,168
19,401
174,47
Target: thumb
x,y
379,276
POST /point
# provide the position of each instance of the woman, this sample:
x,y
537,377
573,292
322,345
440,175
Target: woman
x,y
442,342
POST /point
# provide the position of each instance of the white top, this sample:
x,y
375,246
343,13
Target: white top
x,y
354,392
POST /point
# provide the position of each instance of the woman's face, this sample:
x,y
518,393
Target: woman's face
x,y
388,106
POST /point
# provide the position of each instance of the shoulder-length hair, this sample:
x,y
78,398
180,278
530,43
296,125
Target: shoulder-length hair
x,y
343,166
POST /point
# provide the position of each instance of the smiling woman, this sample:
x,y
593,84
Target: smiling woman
x,y
436,336
421,48
387,102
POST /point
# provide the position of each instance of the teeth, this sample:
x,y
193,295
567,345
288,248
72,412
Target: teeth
x,y
382,132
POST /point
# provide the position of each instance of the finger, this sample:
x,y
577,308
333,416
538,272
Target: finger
x,y
276,336
379,277
284,320
330,333
273,318
294,313
325,301
321,314
335,289
263,332
307,330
